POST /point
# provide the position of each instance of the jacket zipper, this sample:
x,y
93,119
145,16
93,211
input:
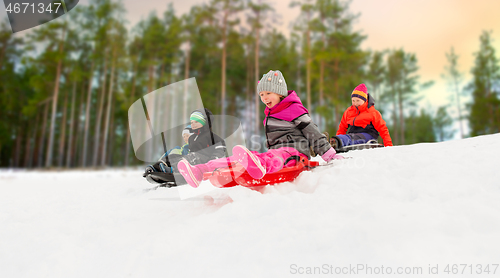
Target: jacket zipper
x,y
267,119
355,117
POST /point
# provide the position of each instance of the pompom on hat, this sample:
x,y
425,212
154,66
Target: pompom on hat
x,y
360,92
274,82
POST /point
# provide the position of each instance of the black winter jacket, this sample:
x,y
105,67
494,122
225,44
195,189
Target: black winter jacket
x,y
204,145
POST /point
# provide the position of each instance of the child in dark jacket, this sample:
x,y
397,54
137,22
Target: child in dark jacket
x,y
203,145
289,132
361,122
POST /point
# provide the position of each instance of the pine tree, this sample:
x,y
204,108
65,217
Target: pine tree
x,y
376,73
260,14
108,10
442,125
95,21
339,61
332,27
304,24
402,80
171,45
135,53
54,35
118,37
420,127
454,77
484,115
205,61
225,15
13,92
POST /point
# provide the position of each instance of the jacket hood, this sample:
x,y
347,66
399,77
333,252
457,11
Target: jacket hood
x,y
371,101
289,108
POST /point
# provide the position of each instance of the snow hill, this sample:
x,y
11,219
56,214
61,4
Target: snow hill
x,y
417,210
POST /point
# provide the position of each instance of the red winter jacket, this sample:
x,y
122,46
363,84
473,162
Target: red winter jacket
x,y
365,119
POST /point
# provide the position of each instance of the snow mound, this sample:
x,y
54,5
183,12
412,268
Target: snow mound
x,y
401,210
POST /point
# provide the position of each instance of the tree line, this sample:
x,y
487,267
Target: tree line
x,y
66,87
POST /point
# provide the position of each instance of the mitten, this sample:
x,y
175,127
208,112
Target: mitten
x,y
330,155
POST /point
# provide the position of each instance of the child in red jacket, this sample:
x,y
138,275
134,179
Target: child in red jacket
x,y
361,122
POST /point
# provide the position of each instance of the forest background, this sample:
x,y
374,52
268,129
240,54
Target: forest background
x,y
66,86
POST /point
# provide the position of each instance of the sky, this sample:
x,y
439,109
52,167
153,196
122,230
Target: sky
x,y
427,28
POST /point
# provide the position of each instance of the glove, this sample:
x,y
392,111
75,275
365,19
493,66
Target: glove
x,y
332,141
330,155
193,158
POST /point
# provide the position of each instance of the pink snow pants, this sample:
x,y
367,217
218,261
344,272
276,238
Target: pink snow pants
x,y
273,160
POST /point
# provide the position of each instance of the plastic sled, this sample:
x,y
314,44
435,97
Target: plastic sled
x,y
237,175
166,179
360,147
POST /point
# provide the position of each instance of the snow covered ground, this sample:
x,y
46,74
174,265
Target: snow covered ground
x,y
417,211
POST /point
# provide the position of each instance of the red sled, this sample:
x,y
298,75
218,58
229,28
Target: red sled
x,y
237,175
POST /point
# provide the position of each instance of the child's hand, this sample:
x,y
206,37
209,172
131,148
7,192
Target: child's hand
x,y
332,141
330,155
338,156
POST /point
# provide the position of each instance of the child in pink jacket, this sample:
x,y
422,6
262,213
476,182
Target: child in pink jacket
x,y
289,132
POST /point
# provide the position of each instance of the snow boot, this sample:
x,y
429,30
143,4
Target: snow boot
x,y
191,174
159,166
249,161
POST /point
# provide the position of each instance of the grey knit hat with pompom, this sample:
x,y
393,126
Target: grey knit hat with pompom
x,y
274,82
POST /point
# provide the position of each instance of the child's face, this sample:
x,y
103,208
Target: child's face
x,y
270,99
356,101
195,125
185,136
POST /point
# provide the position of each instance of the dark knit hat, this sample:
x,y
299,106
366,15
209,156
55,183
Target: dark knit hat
x,y
360,92
274,82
